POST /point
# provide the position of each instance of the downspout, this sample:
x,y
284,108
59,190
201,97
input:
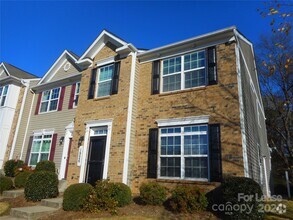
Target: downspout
x,y
129,118
241,107
26,84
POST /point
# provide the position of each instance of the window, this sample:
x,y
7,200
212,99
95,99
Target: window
x,y
49,100
76,94
105,80
3,94
40,148
184,72
183,152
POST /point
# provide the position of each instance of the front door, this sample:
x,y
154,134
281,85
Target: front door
x,y
96,157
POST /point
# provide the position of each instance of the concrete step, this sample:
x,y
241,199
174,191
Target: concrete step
x,y
53,203
8,217
13,193
32,212
62,185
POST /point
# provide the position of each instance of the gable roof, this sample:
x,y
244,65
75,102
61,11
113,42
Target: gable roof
x,y
17,72
66,55
104,37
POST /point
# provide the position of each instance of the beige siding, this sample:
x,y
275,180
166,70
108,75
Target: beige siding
x,y
53,120
24,122
61,73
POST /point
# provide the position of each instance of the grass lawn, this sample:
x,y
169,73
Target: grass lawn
x,y
287,215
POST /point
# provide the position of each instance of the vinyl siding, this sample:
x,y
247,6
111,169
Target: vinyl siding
x,y
255,128
24,122
63,74
52,120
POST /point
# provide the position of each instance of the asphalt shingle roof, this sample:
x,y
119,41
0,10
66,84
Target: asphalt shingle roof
x,y
19,73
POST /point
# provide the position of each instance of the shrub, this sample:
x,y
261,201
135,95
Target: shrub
x,y
152,193
5,183
41,185
46,165
120,193
188,199
11,165
23,168
21,179
76,195
228,193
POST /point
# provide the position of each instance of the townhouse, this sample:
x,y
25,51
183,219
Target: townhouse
x,y
185,113
48,134
15,97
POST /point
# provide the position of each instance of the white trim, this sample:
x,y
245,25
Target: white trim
x,y
106,61
4,67
203,119
241,110
65,52
268,193
98,50
27,126
49,101
48,131
68,134
89,125
129,119
99,38
19,120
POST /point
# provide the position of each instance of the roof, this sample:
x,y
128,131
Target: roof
x,y
17,72
73,54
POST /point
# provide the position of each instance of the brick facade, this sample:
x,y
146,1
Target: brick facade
x,y
111,107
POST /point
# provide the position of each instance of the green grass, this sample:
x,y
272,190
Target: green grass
x,y
287,215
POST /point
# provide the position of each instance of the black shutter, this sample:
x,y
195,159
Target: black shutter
x,y
156,77
215,153
115,80
152,154
92,85
212,66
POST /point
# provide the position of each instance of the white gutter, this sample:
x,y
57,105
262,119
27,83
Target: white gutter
x,y
27,124
26,84
241,109
129,118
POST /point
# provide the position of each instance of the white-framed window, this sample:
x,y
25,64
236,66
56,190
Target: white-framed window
x,y
3,94
50,99
76,94
184,152
104,80
41,147
183,72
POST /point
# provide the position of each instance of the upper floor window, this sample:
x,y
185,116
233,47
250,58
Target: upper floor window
x,y
184,72
3,94
49,101
40,148
104,80
76,94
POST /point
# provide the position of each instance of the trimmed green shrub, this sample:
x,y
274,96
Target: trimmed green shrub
x,y
188,199
5,183
46,165
41,185
229,194
153,193
11,165
21,179
120,193
76,195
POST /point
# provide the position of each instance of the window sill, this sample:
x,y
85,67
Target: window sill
x,y
102,98
183,91
183,181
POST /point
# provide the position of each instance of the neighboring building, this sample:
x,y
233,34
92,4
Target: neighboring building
x,y
189,112
48,134
14,95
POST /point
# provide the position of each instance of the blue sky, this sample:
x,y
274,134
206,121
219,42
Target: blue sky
x,y
34,33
